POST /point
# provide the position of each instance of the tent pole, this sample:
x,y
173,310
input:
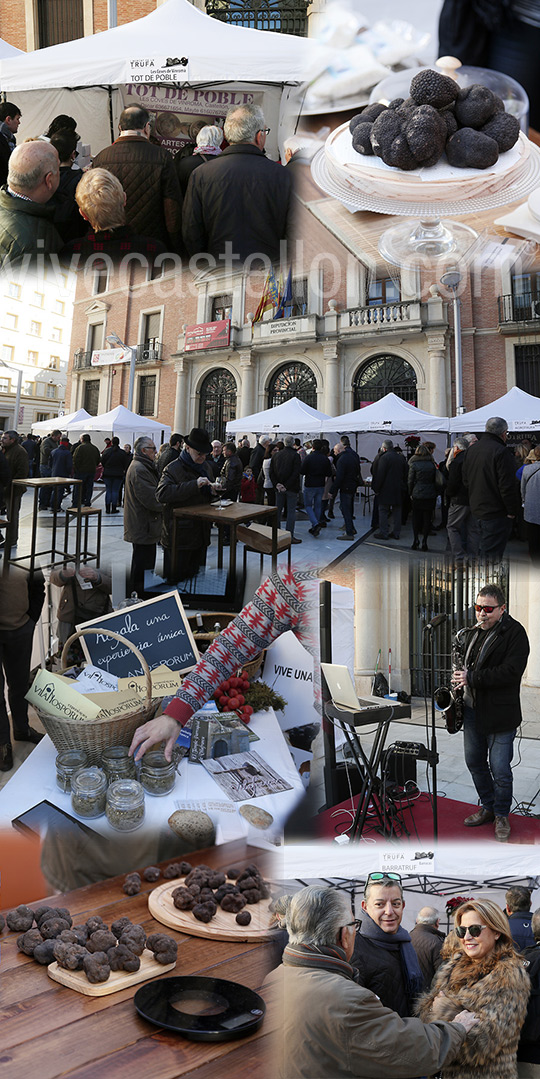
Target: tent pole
x,y
111,123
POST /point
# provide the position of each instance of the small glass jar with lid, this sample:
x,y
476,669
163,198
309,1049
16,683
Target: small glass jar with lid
x,y
88,791
125,805
158,775
69,761
117,764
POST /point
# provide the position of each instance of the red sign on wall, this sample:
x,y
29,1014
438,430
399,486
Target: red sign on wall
x,y
208,335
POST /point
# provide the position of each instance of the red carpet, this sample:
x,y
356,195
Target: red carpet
x,y
419,822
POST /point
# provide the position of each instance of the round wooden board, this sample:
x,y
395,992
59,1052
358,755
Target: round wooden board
x,y
223,925
118,979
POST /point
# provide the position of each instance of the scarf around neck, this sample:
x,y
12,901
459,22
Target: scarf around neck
x,y
318,958
414,981
188,460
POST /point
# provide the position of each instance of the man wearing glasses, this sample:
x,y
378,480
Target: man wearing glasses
x,y
237,205
328,1025
383,952
495,657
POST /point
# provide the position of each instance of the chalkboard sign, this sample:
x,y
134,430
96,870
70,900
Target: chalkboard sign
x,y
158,628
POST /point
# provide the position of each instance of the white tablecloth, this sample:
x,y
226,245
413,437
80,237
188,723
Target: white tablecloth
x,y
35,781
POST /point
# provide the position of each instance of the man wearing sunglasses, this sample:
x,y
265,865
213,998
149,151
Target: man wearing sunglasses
x,y
496,651
383,952
329,1026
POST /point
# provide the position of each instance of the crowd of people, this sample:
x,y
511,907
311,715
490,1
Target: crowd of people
x,y
364,997
488,492
137,198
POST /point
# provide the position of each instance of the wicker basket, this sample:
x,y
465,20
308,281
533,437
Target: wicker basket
x,y
95,735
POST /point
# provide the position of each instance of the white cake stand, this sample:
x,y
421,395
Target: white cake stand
x,y
424,237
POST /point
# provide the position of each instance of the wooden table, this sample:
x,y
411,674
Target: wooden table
x,y
36,485
237,513
51,1031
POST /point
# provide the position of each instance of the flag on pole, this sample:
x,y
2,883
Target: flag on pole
x,y
284,306
269,298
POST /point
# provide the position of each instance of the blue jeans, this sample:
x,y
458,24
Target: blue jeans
x,y
313,503
112,490
488,758
346,501
289,499
87,488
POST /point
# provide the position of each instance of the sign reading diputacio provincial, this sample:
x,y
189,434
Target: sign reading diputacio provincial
x,y
158,628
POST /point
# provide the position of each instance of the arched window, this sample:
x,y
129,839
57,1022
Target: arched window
x,y
218,403
293,380
381,375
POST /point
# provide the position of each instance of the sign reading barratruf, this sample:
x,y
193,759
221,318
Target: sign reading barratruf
x,y
208,335
158,628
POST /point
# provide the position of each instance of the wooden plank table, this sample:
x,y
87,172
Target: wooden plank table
x,y
51,1031
237,513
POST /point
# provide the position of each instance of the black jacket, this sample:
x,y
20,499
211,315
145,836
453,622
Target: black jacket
x,y
239,198
421,479
529,1044
496,678
316,468
427,942
115,462
178,487
520,928
148,176
232,473
489,474
381,971
348,475
5,153
390,478
456,490
285,468
167,455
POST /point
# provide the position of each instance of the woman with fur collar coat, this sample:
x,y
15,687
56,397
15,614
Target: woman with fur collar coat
x,y
483,974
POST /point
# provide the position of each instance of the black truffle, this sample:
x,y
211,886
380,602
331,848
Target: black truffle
x,y
432,88
476,105
165,949
101,941
504,128
52,927
183,899
425,132
20,919
69,956
122,958
29,941
132,884
243,918
233,903
96,967
119,925
204,912
151,873
470,149
172,871
44,953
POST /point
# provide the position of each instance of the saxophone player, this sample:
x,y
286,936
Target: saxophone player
x,y
495,657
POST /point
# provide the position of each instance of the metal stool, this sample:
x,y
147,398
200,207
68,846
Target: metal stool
x,y
258,538
85,512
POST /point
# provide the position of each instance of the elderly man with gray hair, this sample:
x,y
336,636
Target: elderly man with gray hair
x,y
26,219
237,206
142,511
332,1028
489,476
427,941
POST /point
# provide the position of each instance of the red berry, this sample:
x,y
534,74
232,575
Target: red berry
x,y
223,700
248,709
225,686
245,684
241,699
234,703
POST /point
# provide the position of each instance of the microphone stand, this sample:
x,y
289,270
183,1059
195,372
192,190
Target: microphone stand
x,y
433,756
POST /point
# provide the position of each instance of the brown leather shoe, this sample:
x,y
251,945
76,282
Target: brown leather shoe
x,y
6,757
482,816
502,829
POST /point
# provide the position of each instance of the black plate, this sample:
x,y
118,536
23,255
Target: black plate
x,y
202,1009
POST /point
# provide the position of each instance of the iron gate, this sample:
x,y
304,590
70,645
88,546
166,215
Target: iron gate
x,y
281,16
444,588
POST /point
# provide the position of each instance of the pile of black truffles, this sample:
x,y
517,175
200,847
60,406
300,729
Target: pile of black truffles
x,y
470,125
91,947
204,890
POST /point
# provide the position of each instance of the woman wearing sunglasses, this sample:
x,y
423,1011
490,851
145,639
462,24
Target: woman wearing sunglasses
x,y
484,975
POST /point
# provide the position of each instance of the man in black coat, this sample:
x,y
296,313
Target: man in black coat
x,y
489,475
390,484
348,477
462,526
518,903
383,953
495,657
255,464
238,205
231,472
529,1044
285,475
427,941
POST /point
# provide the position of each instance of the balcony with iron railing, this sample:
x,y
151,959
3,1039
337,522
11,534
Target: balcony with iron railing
x,y
522,308
82,360
147,352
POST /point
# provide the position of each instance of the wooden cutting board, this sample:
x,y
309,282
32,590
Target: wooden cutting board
x,y
117,980
223,925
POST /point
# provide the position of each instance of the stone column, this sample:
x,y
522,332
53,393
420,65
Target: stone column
x,y
181,403
381,620
437,398
331,380
245,404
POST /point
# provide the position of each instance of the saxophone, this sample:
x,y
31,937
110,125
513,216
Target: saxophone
x,y
450,701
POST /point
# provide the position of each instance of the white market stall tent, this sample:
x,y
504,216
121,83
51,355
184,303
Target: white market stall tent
x,y
60,423
521,411
176,45
392,415
293,417
127,425
8,50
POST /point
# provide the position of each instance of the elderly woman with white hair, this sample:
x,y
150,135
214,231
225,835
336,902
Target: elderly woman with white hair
x,y
208,145
332,1028
102,203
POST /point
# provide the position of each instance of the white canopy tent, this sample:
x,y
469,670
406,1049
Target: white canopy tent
x,y
293,417
120,421
520,410
8,50
391,415
60,423
142,54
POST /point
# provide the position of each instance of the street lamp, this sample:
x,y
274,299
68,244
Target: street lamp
x,y
114,340
451,280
